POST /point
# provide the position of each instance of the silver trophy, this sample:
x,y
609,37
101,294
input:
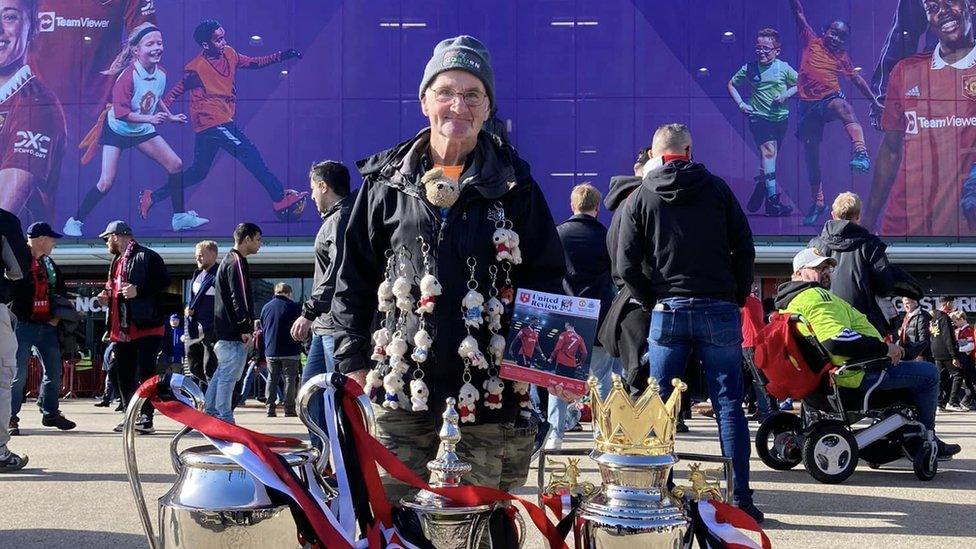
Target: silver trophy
x,y
446,524
215,502
635,453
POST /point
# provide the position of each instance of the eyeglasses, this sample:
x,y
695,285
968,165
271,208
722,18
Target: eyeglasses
x,y
471,98
764,49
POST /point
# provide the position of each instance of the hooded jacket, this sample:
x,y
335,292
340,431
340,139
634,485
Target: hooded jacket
x,y
621,187
391,211
683,234
843,330
863,272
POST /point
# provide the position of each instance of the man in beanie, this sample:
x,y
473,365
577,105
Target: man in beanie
x,y
400,210
37,328
136,279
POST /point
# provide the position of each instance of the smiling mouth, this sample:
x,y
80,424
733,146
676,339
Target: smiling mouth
x,y
949,26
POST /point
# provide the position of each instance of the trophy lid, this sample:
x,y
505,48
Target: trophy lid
x,y
447,469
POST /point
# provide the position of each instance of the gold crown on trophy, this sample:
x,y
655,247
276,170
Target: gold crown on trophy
x,y
644,427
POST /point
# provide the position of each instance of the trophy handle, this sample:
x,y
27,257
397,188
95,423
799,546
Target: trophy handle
x,y
191,389
129,448
305,394
522,531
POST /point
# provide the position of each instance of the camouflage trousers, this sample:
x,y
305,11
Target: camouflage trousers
x,y
499,453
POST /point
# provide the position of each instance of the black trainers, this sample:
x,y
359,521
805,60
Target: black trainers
x,y
681,427
775,209
814,213
13,428
102,404
12,462
58,420
753,511
272,413
946,450
758,193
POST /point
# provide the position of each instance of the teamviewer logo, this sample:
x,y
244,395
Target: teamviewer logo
x,y
911,122
45,21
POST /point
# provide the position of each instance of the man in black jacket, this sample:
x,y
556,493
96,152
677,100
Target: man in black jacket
x,y
136,279
37,328
863,273
233,320
394,213
200,335
945,348
329,181
914,333
14,262
686,254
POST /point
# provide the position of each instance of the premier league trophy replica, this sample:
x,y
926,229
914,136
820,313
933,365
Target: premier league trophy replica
x,y
446,524
635,453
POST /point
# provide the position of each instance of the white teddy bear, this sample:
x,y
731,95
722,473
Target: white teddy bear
x,y
422,341
418,395
397,347
469,349
467,397
384,296
393,385
374,380
401,289
473,303
513,244
496,348
506,245
381,338
494,312
494,387
430,288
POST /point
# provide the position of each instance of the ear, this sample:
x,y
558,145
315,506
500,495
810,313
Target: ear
x,y
423,104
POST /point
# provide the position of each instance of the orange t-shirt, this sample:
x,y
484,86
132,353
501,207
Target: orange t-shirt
x,y
452,172
819,68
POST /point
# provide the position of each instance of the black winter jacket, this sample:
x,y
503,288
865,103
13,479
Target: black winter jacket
x,y
917,331
391,211
863,272
328,257
147,272
233,304
621,187
943,343
683,234
584,241
15,257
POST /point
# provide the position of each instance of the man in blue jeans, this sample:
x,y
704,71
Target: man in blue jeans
x,y
686,254
37,328
233,320
329,182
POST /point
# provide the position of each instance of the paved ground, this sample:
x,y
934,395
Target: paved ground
x,y
74,492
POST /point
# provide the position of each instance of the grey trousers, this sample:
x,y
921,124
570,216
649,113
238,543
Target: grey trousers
x,y
8,369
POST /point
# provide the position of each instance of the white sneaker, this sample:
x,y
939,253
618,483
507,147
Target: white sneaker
x,y
188,220
956,408
553,443
72,227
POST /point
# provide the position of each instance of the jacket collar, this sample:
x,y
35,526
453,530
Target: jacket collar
x,y
335,207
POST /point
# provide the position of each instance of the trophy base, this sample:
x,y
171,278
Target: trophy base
x,y
181,528
609,523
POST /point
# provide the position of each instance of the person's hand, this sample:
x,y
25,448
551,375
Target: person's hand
x,y
246,338
177,118
158,118
895,353
187,312
291,53
103,297
54,321
955,363
746,108
560,391
129,291
359,376
300,328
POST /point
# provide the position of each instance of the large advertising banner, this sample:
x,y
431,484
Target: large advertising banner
x,y
187,117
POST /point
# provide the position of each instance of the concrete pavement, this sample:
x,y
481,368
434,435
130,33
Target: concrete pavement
x,y
74,492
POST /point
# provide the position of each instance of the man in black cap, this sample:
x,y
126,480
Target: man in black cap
x,y
37,328
136,279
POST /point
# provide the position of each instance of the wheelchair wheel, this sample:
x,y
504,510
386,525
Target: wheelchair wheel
x,y
926,463
830,453
779,441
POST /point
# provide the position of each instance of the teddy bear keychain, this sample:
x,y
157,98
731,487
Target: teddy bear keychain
x,y
374,380
468,395
469,351
440,191
506,240
381,338
430,287
472,304
522,392
385,300
494,387
418,392
422,342
506,294
393,385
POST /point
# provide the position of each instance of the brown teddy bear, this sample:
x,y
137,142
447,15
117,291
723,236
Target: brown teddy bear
x,y
441,191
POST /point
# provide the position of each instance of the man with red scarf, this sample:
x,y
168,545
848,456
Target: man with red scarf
x,y
136,280
37,328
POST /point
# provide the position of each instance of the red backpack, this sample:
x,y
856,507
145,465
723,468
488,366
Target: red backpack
x,y
793,365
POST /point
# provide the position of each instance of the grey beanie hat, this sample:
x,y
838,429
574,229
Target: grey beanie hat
x,y
465,53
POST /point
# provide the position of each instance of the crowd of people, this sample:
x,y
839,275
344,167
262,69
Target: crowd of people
x,y
673,272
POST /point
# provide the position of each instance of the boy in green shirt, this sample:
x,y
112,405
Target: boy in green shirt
x,y
772,82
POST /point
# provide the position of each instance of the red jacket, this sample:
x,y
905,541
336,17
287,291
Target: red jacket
x,y
567,347
752,321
